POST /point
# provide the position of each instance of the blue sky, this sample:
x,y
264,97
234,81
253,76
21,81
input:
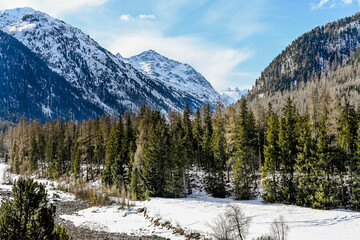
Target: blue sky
x,y
228,41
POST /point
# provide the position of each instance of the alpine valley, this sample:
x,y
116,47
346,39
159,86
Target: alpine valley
x,y
95,78
170,157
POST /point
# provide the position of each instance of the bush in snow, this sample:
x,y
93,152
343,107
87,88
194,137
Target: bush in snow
x,y
231,225
279,229
27,214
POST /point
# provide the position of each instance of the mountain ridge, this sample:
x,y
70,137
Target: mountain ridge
x,y
180,77
99,76
312,55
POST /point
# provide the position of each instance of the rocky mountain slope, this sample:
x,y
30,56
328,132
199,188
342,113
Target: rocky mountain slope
x,y
187,84
313,55
98,76
29,88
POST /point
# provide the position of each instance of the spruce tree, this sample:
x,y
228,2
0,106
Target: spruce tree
x,y
245,156
34,154
305,163
324,196
155,154
355,184
197,135
215,179
271,183
111,154
99,149
207,154
288,151
347,134
187,145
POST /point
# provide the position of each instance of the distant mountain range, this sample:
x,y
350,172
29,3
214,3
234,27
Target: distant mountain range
x,y
184,81
95,78
233,94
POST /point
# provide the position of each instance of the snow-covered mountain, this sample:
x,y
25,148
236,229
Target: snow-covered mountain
x,y
28,88
100,77
181,78
233,94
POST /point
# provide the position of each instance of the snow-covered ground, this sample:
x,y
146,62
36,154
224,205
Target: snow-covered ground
x,y
197,212
50,186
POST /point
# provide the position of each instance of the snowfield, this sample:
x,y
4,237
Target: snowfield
x,y
197,212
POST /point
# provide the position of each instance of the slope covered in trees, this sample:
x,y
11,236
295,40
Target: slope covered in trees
x,y
299,160
313,55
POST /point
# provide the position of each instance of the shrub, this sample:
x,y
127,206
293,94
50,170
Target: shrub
x,y
27,215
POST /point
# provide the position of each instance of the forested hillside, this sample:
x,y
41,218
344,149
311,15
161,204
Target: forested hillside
x,y
298,160
313,55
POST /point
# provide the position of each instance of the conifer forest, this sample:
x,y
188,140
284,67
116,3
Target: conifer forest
x,y
295,159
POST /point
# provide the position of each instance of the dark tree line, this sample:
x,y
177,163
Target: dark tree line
x,y
148,154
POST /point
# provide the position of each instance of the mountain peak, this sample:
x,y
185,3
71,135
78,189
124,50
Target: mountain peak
x,y
152,55
151,51
11,16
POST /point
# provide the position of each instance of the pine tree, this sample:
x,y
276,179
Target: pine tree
x,y
118,168
324,195
137,186
230,136
272,161
187,145
207,156
288,151
347,134
27,215
34,154
305,163
154,157
77,161
197,135
355,184
111,154
175,168
99,149
245,156
215,179
128,145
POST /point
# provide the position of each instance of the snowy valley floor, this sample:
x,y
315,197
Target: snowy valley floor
x,y
195,213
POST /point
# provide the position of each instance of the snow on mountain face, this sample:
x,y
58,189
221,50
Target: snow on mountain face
x,y
232,95
181,78
28,88
11,16
101,77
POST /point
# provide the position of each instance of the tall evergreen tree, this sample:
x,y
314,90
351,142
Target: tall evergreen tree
x,y
305,163
197,135
271,183
155,154
34,153
215,179
288,151
245,157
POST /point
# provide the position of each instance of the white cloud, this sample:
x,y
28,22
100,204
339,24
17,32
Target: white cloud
x,y
147,16
55,8
126,17
215,62
331,3
319,5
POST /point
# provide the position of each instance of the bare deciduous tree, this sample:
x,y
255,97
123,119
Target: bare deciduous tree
x,y
231,225
279,229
